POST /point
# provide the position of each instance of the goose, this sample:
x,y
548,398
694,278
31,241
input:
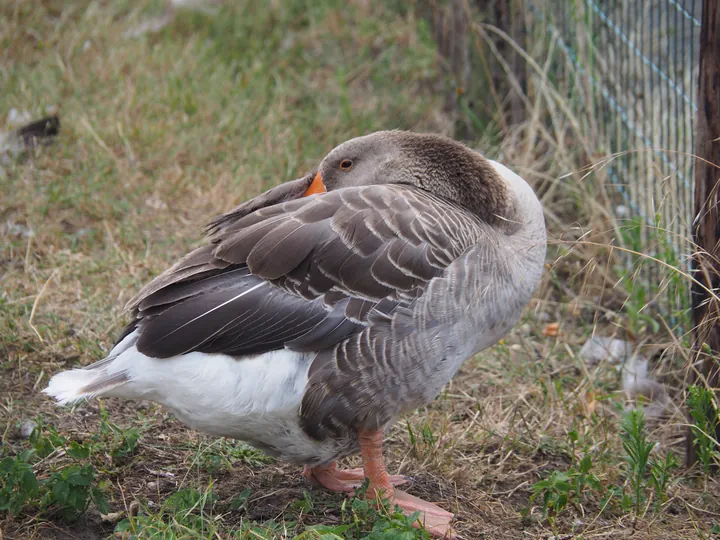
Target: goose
x,y
320,311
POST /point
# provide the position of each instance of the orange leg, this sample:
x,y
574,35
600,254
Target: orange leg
x,y
435,519
343,480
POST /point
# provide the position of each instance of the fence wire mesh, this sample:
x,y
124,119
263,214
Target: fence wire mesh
x,y
635,65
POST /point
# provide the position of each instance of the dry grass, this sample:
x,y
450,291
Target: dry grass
x,y
161,132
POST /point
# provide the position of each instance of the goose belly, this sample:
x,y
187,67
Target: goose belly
x,y
255,398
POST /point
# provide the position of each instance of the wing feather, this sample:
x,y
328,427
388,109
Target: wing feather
x,y
340,273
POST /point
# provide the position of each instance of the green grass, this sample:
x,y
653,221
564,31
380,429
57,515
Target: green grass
x,y
162,132
224,453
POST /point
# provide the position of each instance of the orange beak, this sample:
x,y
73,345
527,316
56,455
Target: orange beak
x,y
316,186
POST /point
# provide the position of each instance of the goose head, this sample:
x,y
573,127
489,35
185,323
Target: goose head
x,y
436,164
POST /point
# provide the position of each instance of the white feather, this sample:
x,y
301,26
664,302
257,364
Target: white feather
x,y
254,398
66,387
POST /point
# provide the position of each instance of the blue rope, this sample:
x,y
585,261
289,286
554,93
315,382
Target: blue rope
x,y
684,13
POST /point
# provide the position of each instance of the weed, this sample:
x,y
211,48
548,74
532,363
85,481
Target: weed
x,y
118,442
66,492
705,422
372,521
579,483
112,440
305,504
642,472
70,490
240,500
185,514
362,519
637,454
224,453
661,476
639,293
563,488
18,484
423,439
45,439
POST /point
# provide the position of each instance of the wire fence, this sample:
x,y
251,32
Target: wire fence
x,y
637,67
626,71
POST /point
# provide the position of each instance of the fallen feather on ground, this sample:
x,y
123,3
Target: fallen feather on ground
x,y
605,349
638,385
636,379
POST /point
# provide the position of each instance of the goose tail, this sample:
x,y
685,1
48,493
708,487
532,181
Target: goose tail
x,y
71,386
74,385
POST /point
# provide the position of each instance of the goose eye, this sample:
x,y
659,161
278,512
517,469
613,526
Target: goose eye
x,y
346,165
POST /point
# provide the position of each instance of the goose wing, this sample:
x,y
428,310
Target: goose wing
x,y
353,274
301,273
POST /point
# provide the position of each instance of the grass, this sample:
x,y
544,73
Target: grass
x,y
163,131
